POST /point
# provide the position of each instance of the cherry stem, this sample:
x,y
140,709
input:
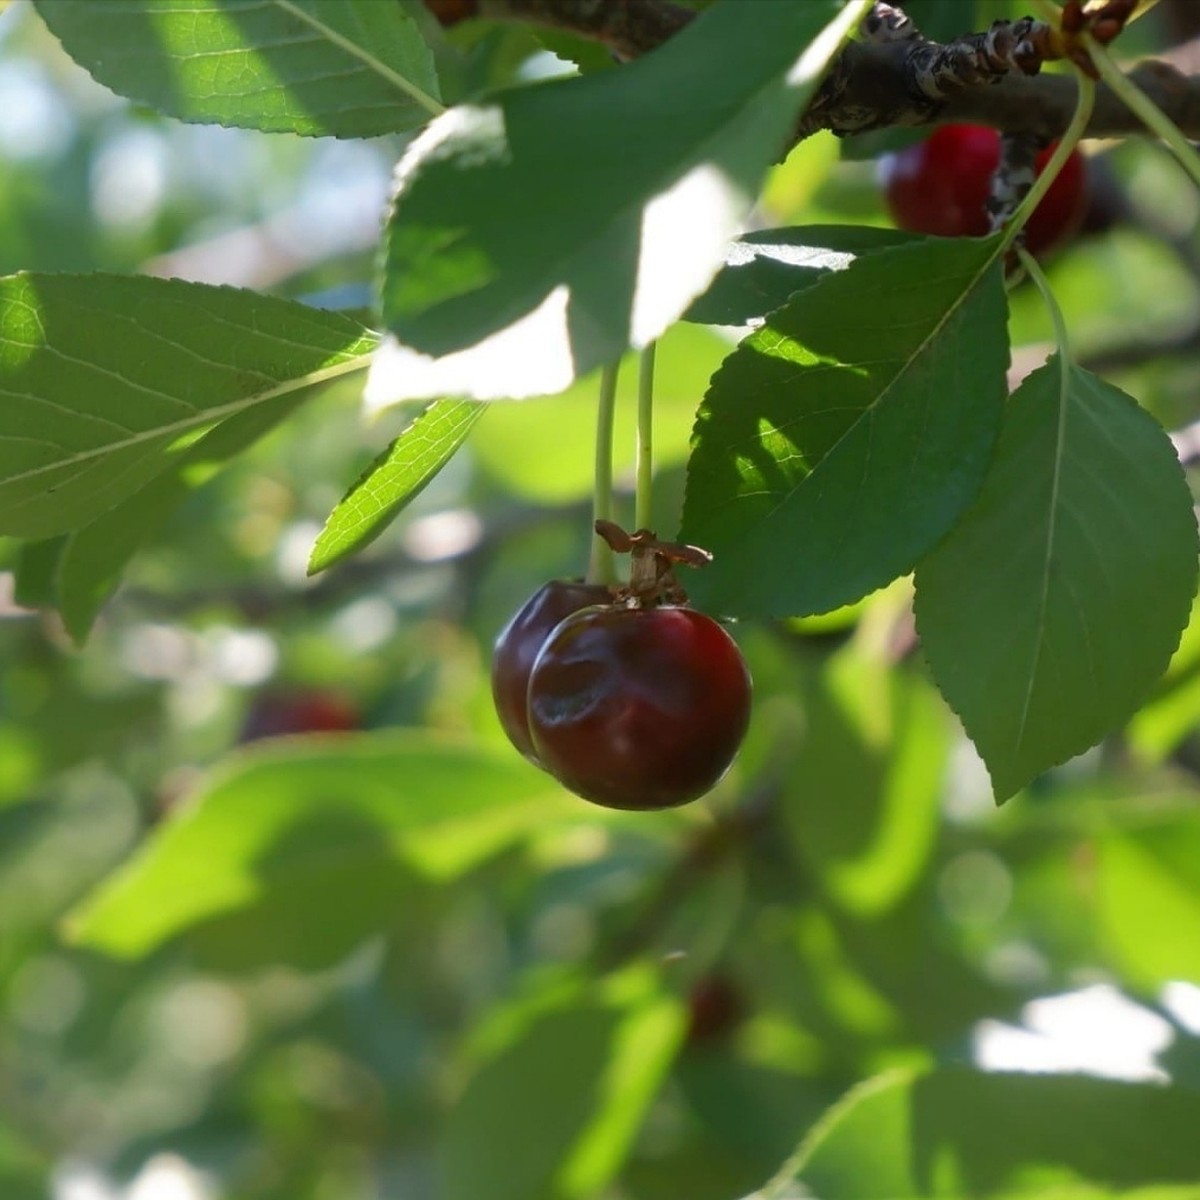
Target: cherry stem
x,y
643,513
602,567
651,572
1143,107
1042,284
1070,139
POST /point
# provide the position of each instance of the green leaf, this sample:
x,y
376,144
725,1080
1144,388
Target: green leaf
x,y
394,479
764,269
1147,890
839,442
1166,720
106,381
350,68
35,573
1053,607
875,748
304,820
943,20
587,55
538,236
552,1115
24,1170
959,1132
94,557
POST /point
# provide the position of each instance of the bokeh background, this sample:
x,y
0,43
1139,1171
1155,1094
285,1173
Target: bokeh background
x,y
849,899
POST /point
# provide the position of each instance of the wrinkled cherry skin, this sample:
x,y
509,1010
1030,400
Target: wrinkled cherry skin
x,y
638,708
518,646
941,185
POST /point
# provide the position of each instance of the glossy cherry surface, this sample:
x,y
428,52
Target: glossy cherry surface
x,y
941,186
518,646
638,708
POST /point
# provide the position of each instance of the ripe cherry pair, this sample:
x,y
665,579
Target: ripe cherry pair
x,y
629,702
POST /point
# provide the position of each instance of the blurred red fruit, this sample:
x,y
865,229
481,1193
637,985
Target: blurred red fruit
x,y
275,714
941,186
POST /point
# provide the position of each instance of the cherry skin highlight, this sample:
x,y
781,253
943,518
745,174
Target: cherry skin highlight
x,y
941,185
638,708
518,645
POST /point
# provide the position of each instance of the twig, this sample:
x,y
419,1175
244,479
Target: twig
x,y
871,89
894,76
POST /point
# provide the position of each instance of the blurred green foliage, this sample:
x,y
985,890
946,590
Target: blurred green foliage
x,y
398,962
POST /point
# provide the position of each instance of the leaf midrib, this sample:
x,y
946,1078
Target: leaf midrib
x,y
418,95
904,367
1060,438
206,416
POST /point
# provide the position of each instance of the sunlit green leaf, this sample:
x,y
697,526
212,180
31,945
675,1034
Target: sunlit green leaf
x,y
553,1114
94,557
314,819
1054,606
107,380
765,268
845,437
351,68
958,1132
1147,891
864,789
535,238
1164,721
394,479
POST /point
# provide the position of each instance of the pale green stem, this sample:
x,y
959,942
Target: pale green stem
x,y
1144,108
602,567
1038,276
1083,114
643,517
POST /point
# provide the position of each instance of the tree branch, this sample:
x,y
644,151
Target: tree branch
x,y
895,77
871,88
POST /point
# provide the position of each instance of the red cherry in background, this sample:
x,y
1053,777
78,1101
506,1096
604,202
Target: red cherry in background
x,y
277,714
941,186
638,708
715,1008
518,645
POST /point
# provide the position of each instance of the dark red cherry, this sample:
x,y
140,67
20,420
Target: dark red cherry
x,y
638,708
715,1008
941,186
276,714
518,646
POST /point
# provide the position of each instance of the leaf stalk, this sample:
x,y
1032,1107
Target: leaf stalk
x,y
602,566
644,501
